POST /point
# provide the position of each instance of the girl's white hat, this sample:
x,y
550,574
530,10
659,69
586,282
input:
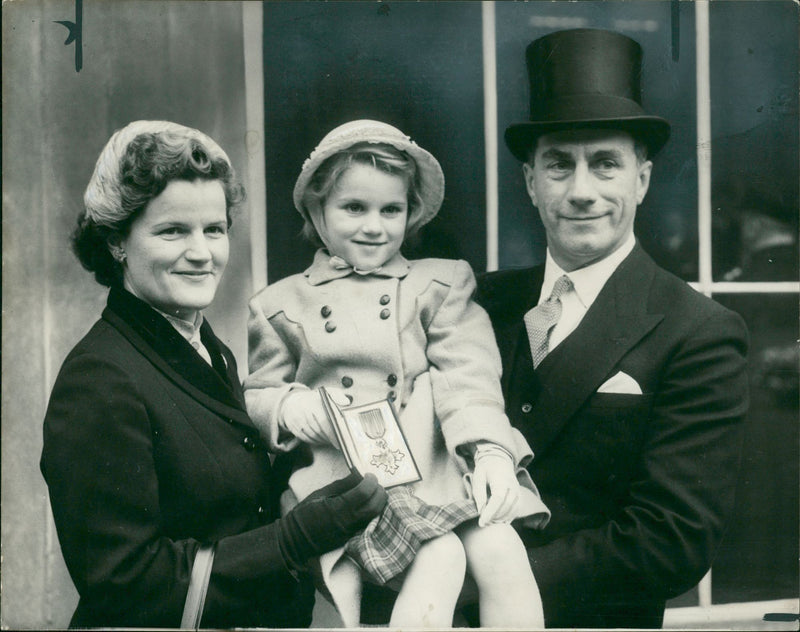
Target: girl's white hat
x,y
367,131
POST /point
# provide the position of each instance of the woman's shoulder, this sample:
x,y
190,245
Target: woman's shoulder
x,y
101,350
100,375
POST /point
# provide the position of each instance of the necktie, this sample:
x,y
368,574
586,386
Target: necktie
x,y
541,319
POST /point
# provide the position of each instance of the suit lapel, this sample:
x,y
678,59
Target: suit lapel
x,y
572,372
512,337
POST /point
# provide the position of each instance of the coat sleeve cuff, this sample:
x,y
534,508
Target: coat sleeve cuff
x,y
265,407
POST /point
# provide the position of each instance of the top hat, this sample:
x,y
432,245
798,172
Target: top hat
x,y
585,78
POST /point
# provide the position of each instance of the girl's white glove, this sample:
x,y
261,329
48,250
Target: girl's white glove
x,y
303,414
494,484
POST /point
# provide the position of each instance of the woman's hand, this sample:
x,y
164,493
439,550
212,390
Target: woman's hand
x,y
494,486
329,517
303,414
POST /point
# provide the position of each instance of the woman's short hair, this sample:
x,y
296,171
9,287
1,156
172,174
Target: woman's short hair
x,y
381,156
136,165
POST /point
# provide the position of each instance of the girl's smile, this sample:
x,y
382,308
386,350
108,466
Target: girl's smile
x,y
365,216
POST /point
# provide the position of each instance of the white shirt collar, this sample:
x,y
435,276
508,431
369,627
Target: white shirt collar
x,y
186,328
587,281
191,332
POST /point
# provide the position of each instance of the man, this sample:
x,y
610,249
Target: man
x,y
629,386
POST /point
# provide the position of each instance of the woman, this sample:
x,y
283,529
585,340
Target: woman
x,y
148,451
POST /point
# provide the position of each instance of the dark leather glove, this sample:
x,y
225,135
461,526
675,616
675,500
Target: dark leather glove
x,y
329,517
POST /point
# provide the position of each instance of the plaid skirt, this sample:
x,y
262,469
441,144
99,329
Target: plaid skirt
x,y
391,541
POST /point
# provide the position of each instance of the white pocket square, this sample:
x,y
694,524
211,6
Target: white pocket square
x,y
621,383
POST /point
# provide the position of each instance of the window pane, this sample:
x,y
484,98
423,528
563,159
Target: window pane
x,y
666,222
754,106
758,559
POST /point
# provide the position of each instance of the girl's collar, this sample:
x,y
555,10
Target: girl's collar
x,y
327,268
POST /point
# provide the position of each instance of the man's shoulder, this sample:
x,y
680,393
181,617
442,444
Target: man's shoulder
x,y
507,291
676,299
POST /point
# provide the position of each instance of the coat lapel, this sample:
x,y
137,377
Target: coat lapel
x,y
572,372
217,387
507,296
514,335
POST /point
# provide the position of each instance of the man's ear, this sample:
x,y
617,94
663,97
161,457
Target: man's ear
x,y
527,172
643,180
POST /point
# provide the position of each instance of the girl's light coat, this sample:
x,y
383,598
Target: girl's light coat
x,y
411,331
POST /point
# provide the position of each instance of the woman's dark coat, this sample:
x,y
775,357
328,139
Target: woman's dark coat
x,y
149,452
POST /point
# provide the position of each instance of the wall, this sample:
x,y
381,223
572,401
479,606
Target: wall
x,y
176,60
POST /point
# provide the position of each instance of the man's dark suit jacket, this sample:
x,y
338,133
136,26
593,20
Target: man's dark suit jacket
x,y
639,485
149,452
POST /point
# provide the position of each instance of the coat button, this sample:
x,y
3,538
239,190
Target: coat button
x,y
347,381
526,408
330,327
385,313
385,299
325,311
392,396
249,443
392,379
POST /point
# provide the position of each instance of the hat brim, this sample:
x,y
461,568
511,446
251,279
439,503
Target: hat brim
x,y
430,171
653,131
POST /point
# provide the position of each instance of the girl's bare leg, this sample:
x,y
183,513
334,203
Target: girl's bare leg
x,y
431,585
498,562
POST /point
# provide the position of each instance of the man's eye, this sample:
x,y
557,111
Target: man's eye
x,y
217,230
559,169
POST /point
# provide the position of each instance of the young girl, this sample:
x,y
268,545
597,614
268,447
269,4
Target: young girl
x,y
368,324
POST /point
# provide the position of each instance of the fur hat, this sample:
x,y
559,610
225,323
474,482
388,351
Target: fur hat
x,y
365,130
